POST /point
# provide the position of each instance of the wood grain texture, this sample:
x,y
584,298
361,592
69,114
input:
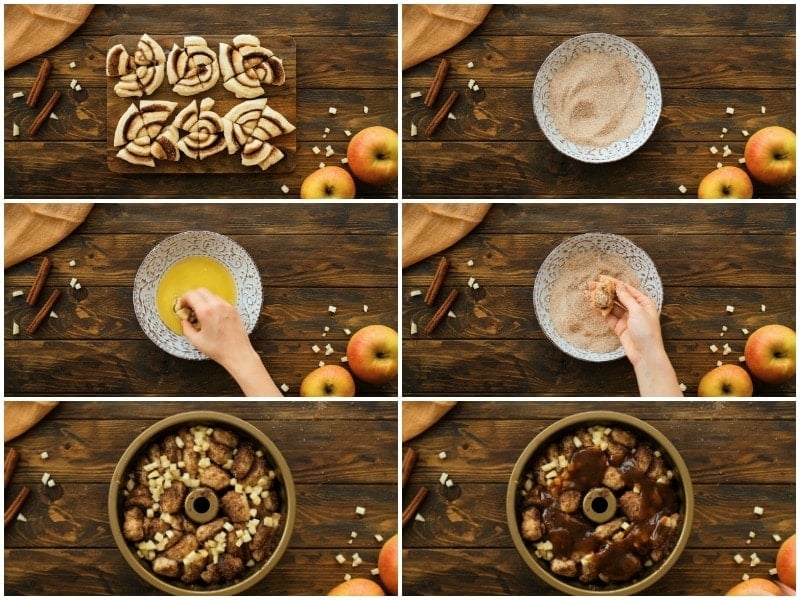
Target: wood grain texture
x,y
708,257
739,455
341,454
346,57
495,148
310,257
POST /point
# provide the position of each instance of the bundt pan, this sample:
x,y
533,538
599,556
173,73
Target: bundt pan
x,y
600,503
204,504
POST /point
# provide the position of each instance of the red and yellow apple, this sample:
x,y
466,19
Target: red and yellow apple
x,y
372,155
770,353
328,182
387,564
328,380
770,155
372,354
725,183
786,562
357,586
755,586
725,380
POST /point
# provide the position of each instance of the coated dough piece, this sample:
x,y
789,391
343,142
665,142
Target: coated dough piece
x,y
603,294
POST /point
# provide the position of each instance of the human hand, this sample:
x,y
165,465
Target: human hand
x,y
221,334
634,319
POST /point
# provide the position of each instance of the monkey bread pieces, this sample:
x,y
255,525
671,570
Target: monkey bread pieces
x,y
601,506
234,523
197,131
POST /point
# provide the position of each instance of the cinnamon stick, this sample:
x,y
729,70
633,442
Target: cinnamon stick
x,y
38,83
43,312
44,114
12,458
38,283
440,116
438,280
410,511
441,313
409,460
13,509
437,83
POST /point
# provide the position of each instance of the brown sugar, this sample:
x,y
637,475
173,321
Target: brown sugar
x,y
570,309
597,99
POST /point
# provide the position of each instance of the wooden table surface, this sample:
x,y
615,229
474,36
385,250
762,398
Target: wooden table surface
x,y
346,58
341,455
708,57
310,256
708,256
739,455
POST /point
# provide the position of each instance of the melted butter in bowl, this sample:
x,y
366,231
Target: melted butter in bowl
x,y
190,273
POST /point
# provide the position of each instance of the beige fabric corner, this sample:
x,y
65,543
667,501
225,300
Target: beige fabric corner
x,y
32,29
430,29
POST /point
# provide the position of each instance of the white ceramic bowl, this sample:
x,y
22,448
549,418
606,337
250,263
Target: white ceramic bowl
x,y
562,55
605,243
249,294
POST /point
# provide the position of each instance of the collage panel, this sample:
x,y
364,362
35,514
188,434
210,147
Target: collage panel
x,y
201,101
531,498
598,101
502,300
112,283
199,497
541,239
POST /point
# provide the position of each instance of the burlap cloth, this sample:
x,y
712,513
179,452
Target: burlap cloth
x,y
430,29
35,28
430,228
418,416
19,417
32,228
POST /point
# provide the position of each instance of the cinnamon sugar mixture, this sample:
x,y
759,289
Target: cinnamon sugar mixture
x,y
597,99
570,309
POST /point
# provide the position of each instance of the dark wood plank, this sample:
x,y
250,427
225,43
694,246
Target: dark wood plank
x,y
433,169
713,21
501,571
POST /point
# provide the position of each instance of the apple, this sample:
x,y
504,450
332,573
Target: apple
x,y
725,182
755,586
786,563
726,380
372,155
328,182
357,586
387,564
372,354
328,380
770,155
770,353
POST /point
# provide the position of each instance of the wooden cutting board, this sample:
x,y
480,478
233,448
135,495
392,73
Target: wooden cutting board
x,y
282,98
